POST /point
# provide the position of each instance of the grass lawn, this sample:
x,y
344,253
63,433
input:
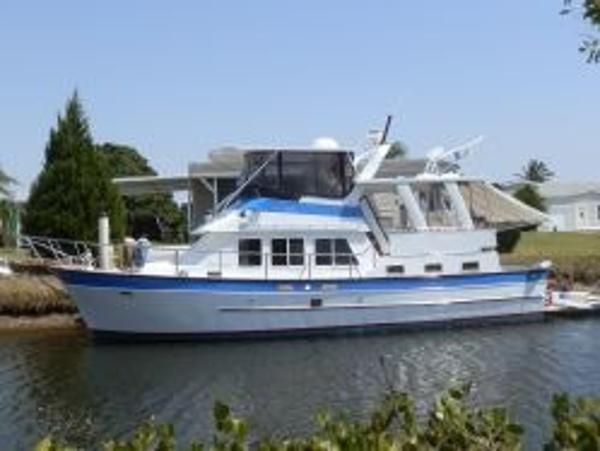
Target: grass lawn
x,y
12,253
557,244
577,254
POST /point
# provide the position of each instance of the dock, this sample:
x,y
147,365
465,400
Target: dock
x,y
573,303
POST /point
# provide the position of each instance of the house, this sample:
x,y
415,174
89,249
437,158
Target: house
x,y
572,206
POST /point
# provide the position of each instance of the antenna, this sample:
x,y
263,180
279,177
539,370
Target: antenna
x,y
386,129
439,156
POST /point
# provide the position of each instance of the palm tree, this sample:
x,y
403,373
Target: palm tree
x,y
535,171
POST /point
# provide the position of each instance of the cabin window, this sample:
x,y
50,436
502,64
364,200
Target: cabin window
x,y
279,252
395,269
343,253
287,252
296,252
324,252
470,266
293,174
334,251
433,267
249,252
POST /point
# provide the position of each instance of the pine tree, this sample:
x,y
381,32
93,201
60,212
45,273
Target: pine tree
x,y
74,187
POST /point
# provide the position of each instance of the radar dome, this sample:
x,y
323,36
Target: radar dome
x,y
325,143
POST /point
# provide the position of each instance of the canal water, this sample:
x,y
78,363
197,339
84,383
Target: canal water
x,y
63,384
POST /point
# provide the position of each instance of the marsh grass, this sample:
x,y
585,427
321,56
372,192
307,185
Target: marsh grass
x,y
33,295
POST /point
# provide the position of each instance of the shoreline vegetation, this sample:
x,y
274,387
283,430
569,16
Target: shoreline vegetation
x,y
33,299
452,422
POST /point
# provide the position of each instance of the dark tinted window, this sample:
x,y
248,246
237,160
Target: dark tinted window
x,y
395,269
343,253
279,252
324,252
330,251
296,252
470,266
292,174
287,252
249,252
433,267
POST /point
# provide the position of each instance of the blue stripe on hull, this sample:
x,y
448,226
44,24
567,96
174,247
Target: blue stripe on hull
x,y
125,281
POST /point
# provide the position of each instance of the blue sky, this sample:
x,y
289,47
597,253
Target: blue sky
x,y
176,79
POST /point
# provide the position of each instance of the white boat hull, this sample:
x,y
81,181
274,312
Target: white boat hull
x,y
124,304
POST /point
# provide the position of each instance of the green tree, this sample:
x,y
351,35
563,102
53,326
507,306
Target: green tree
x,y
529,195
590,12
397,150
74,187
535,171
5,182
155,216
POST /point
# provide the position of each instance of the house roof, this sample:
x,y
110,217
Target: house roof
x,y
556,189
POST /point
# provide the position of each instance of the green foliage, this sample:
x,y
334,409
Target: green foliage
x,y
397,150
590,12
155,216
576,424
450,424
507,240
529,195
9,220
5,182
74,187
535,171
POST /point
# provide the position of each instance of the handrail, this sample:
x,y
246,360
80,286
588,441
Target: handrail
x,y
230,197
60,250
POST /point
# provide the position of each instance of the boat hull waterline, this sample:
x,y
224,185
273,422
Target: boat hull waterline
x,y
129,304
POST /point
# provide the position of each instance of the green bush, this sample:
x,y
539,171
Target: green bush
x,y
451,424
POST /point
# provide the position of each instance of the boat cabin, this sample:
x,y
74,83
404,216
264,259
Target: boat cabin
x,y
304,214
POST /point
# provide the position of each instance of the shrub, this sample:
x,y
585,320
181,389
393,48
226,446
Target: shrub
x,y
450,424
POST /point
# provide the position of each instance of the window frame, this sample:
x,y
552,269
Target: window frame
x,y
471,266
286,257
333,257
433,268
247,257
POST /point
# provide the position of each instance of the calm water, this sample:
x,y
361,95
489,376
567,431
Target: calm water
x,y
67,386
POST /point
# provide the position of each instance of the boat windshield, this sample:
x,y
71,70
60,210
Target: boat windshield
x,y
293,174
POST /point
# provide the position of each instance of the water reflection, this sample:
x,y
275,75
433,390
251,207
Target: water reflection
x,y
65,385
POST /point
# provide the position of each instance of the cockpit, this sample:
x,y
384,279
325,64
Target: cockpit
x,y
291,174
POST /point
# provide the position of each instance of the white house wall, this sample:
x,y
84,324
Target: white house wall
x,y
566,211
